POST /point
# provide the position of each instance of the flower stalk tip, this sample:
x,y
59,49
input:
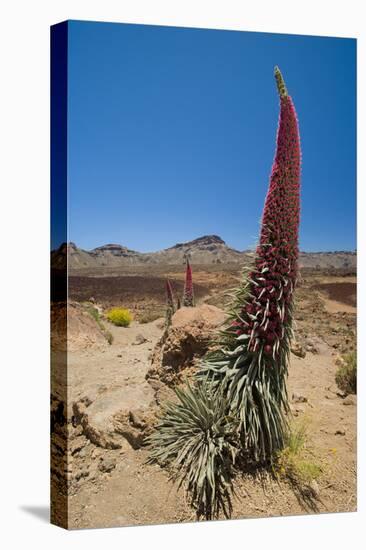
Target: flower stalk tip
x,y
281,86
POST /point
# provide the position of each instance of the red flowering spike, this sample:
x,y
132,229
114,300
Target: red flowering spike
x,y
188,298
264,302
277,251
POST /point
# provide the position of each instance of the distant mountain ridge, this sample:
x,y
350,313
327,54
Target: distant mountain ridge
x,y
206,250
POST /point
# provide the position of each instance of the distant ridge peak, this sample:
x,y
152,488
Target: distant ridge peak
x,y
205,240
114,250
111,246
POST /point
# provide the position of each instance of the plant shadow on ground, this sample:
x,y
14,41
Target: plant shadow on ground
x,y
293,466
267,474
304,494
296,466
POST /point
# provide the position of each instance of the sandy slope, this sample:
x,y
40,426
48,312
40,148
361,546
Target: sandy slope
x,y
130,492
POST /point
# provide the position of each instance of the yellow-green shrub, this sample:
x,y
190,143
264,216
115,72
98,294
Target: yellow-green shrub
x,y
294,462
119,316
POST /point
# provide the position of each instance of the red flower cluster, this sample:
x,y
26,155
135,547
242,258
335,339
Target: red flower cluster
x,y
273,279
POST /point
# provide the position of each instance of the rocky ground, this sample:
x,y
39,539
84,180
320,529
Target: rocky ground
x,y
115,392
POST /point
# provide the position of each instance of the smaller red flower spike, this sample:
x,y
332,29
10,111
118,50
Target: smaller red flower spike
x,y
169,294
188,299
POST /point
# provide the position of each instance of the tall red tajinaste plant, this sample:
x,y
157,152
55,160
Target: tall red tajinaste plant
x,y
239,404
253,362
273,280
188,296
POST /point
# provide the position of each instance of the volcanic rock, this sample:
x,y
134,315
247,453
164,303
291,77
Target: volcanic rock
x,y
187,339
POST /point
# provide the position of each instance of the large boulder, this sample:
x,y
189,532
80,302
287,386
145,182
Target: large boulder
x,y
184,342
112,416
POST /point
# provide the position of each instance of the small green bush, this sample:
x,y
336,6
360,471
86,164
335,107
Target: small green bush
x,y
293,461
94,313
119,316
92,310
346,375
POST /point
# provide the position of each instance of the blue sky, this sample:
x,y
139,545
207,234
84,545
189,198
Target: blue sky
x,y
171,134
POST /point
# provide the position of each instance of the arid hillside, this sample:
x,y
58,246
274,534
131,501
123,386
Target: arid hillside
x,y
206,250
